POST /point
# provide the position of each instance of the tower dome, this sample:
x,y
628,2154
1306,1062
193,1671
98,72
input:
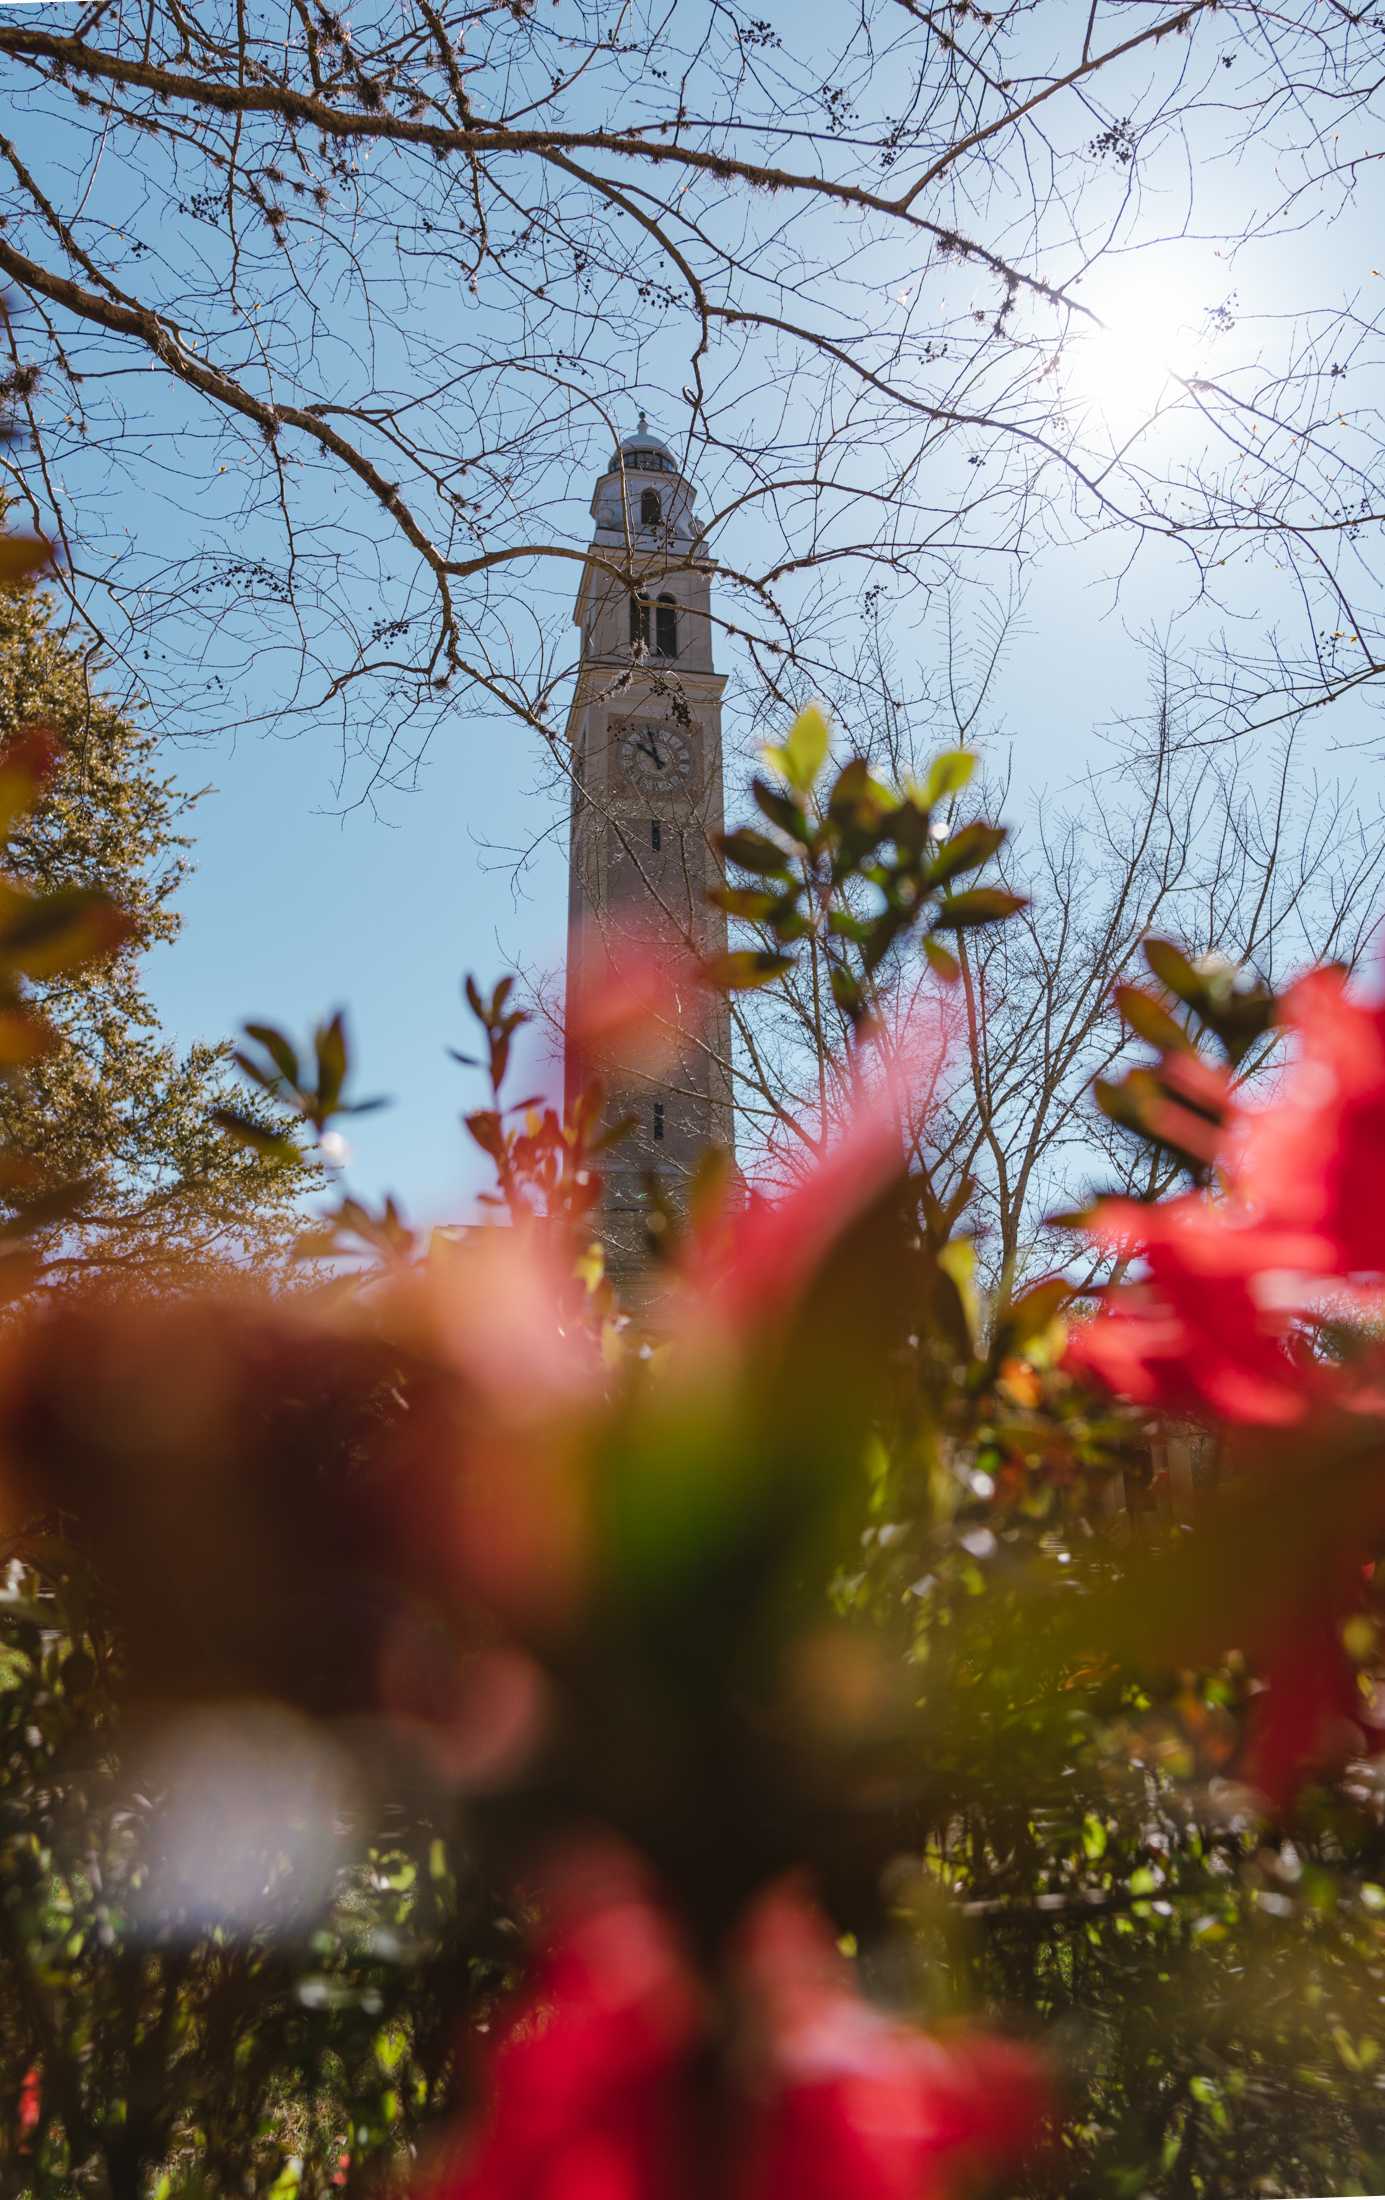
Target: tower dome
x,y
644,497
644,453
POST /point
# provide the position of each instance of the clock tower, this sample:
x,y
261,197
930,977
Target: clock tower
x,y
645,751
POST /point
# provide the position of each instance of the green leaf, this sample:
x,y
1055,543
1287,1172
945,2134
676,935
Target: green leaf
x,y
271,1146
21,556
855,793
805,751
1151,1021
966,851
751,967
500,1058
787,921
329,1045
942,960
391,2046
1173,970
754,903
1119,1103
957,1261
947,775
754,852
485,1127
43,938
844,926
279,1049
1093,1837
781,810
1033,1311
979,905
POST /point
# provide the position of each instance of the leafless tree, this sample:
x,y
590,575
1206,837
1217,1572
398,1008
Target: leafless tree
x,y
324,317
1260,864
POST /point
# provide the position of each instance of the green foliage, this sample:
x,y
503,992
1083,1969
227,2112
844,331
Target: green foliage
x,y
853,871
1209,1024
124,1169
189,2059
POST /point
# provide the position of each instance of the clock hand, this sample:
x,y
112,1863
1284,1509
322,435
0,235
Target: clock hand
x,y
651,750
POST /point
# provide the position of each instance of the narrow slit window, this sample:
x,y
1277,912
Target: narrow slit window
x,y
651,508
656,836
658,1119
665,627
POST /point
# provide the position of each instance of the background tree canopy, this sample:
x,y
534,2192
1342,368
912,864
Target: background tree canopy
x,y
113,1128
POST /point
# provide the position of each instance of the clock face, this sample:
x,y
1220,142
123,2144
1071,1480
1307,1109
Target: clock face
x,y
656,759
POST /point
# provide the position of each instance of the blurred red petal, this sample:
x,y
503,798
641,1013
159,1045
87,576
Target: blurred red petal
x,y
1195,1337
633,996
1308,1715
588,2094
849,2102
758,1264
30,2106
1311,1157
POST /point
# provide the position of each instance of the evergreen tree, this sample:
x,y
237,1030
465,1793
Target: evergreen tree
x,y
114,1108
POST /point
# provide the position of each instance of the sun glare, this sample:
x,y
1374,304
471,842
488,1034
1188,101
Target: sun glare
x,y
1130,367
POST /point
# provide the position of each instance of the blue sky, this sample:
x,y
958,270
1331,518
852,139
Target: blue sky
x,y
297,906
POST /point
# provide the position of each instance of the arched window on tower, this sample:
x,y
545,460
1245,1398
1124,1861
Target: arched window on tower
x,y
651,508
640,609
666,628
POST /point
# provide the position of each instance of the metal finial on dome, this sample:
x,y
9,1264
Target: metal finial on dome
x,y
644,451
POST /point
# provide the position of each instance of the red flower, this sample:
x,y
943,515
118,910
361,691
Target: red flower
x,y
1311,1159
30,2107
851,2105
589,2083
1305,1198
1309,1712
775,1246
760,1258
1195,1337
603,2086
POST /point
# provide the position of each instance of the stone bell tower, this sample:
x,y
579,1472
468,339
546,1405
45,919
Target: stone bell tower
x,y
645,746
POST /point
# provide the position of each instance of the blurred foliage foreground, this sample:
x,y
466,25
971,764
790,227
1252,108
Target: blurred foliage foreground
x,y
461,1739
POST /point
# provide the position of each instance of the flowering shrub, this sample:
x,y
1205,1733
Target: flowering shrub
x,y
1260,1308
884,1808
